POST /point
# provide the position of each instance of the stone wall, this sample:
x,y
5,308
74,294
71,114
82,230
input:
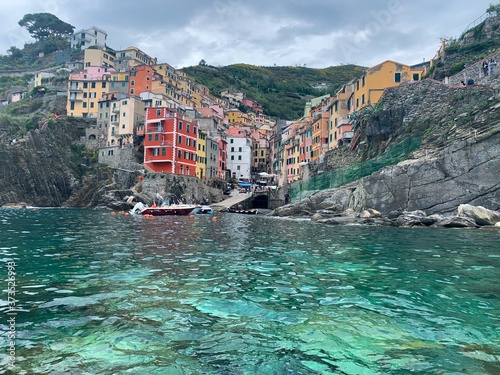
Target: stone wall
x,y
185,188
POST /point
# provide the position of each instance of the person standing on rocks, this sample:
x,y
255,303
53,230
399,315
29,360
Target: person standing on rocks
x,y
485,67
492,64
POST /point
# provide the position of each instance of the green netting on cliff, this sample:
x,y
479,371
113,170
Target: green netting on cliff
x,y
329,180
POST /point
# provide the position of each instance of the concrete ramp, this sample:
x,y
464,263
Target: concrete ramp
x,y
234,199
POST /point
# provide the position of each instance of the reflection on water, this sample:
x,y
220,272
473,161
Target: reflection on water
x,y
102,294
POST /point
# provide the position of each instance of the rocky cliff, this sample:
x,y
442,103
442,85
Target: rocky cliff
x,y
458,161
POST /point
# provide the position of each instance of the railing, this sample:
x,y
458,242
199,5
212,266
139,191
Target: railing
x,y
347,135
344,121
157,129
476,22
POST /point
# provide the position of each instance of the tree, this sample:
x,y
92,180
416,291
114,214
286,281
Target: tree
x,y
202,62
44,25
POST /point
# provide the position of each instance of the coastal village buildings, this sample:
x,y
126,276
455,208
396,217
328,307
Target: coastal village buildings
x,y
98,57
170,142
86,38
239,154
130,57
370,86
85,89
186,130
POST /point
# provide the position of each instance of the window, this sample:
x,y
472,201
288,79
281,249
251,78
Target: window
x,y
180,140
84,105
240,149
85,85
180,125
232,149
232,157
194,144
123,126
363,81
179,153
194,129
415,77
156,136
132,83
188,141
84,95
239,157
362,99
188,128
158,112
163,151
91,104
150,138
186,155
397,77
92,85
231,141
104,85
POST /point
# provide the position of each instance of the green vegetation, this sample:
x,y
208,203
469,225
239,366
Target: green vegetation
x,y
44,25
50,34
282,91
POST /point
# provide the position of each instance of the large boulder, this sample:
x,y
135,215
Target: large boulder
x,y
480,215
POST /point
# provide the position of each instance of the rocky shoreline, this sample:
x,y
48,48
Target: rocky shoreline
x,y
467,216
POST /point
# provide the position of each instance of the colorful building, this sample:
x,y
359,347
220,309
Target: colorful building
x,y
88,37
201,160
340,131
370,86
130,57
98,57
170,142
141,79
85,89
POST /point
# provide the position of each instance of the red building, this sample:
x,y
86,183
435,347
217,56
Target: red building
x,y
170,142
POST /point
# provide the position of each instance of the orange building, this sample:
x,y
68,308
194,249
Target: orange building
x,y
170,142
141,79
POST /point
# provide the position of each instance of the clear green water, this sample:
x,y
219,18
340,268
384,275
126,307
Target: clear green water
x,y
103,294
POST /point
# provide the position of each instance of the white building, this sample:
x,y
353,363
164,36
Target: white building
x,y
89,37
239,156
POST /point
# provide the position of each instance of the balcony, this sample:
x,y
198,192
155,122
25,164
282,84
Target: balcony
x,y
73,88
116,110
154,129
347,135
344,121
74,98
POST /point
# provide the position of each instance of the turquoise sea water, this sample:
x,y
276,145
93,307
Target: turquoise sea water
x,y
245,294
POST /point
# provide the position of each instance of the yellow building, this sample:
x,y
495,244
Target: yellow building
x,y
370,86
235,116
85,89
201,155
119,82
98,57
130,57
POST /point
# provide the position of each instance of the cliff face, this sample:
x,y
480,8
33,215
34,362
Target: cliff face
x,y
40,169
458,161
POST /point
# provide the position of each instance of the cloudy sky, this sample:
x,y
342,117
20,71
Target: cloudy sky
x,y
312,33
